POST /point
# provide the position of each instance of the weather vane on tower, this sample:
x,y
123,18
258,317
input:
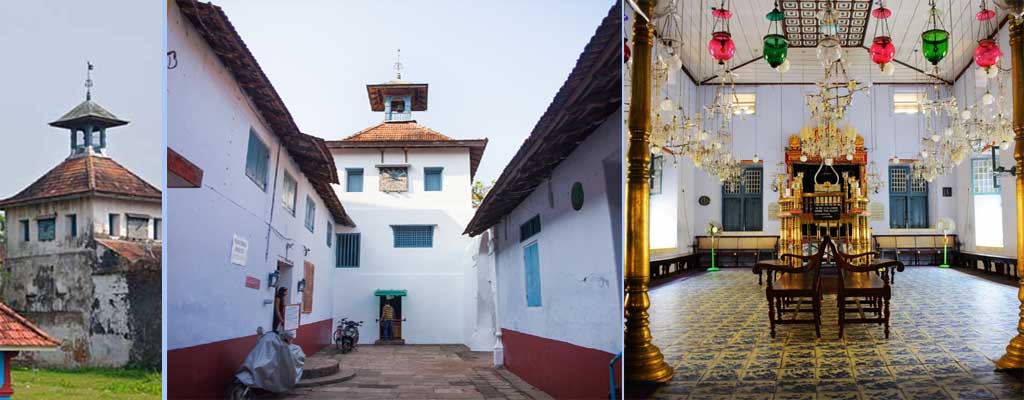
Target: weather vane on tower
x,y
88,80
398,64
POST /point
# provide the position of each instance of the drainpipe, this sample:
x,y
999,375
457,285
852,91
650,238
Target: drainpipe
x,y
499,349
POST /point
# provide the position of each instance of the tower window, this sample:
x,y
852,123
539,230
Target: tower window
x,y
398,105
47,229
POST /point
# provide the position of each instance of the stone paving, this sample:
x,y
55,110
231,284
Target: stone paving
x,y
419,372
947,327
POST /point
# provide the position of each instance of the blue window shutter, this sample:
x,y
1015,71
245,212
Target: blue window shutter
x,y
732,213
330,232
47,229
529,228
354,181
412,236
531,259
24,230
310,213
347,250
256,160
752,213
432,179
73,225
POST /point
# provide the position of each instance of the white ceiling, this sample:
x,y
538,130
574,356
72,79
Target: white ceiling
x,y
690,22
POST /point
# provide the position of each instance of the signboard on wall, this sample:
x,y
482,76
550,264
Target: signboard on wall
x,y
877,211
828,212
291,316
252,282
239,250
773,211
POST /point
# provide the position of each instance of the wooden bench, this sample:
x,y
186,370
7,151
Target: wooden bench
x,y
924,249
735,251
992,263
794,285
662,267
863,289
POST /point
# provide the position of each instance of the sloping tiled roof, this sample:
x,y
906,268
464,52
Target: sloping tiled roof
x,y
85,175
309,152
88,110
589,96
17,333
133,251
409,134
397,131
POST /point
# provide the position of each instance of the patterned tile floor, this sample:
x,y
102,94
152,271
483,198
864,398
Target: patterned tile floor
x,y
946,328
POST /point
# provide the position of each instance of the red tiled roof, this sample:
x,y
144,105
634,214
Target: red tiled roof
x,y
83,176
309,152
16,332
403,131
409,134
133,251
590,95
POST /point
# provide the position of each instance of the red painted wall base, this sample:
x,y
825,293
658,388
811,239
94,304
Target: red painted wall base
x,y
562,370
204,371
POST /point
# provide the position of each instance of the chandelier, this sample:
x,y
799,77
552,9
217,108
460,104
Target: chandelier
x,y
829,139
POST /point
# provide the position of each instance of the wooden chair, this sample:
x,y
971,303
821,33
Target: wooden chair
x,y
864,288
787,292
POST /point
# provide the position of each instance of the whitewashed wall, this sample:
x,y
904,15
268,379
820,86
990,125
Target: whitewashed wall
x,y
209,122
968,93
674,236
440,280
578,268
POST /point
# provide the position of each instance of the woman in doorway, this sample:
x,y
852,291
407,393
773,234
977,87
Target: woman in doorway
x,y
279,301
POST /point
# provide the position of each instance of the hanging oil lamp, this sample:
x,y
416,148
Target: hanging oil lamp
x,y
882,50
721,47
987,54
829,50
935,41
776,46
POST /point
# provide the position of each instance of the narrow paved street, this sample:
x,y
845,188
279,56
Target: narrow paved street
x,y
420,372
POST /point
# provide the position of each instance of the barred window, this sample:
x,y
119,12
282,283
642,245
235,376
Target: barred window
x,y
982,177
407,236
898,179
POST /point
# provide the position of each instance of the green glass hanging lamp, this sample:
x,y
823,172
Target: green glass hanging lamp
x,y
935,41
776,46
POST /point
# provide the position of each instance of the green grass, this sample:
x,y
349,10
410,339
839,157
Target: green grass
x,y
86,383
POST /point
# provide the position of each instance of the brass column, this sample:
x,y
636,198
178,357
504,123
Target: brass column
x,y
1014,357
643,360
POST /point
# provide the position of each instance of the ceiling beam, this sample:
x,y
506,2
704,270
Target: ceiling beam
x,y
920,71
748,62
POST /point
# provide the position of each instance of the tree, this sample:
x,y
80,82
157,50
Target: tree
x,y
480,191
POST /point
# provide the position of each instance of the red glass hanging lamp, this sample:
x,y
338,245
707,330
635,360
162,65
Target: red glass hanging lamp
x,y
721,47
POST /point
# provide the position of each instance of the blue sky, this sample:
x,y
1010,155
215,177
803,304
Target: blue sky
x,y
45,45
493,67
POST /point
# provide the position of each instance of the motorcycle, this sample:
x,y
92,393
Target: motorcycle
x,y
347,335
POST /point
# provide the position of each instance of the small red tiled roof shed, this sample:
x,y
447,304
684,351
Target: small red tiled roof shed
x,y
18,334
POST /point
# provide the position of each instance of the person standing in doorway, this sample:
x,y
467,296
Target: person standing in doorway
x,y
279,300
387,316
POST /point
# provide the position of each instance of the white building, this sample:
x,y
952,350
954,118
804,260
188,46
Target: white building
x,y
251,197
412,189
552,229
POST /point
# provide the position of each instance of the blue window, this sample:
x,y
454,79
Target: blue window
x,y
24,230
72,225
413,235
531,259
432,179
529,228
310,213
908,199
156,228
742,200
47,229
330,232
354,181
256,160
348,250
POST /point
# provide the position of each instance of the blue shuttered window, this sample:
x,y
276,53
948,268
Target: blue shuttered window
x,y
347,250
156,228
310,213
354,180
330,233
413,235
24,230
47,229
432,179
742,201
908,199
73,225
531,259
256,160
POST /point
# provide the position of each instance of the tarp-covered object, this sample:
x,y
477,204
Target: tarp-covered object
x,y
272,365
